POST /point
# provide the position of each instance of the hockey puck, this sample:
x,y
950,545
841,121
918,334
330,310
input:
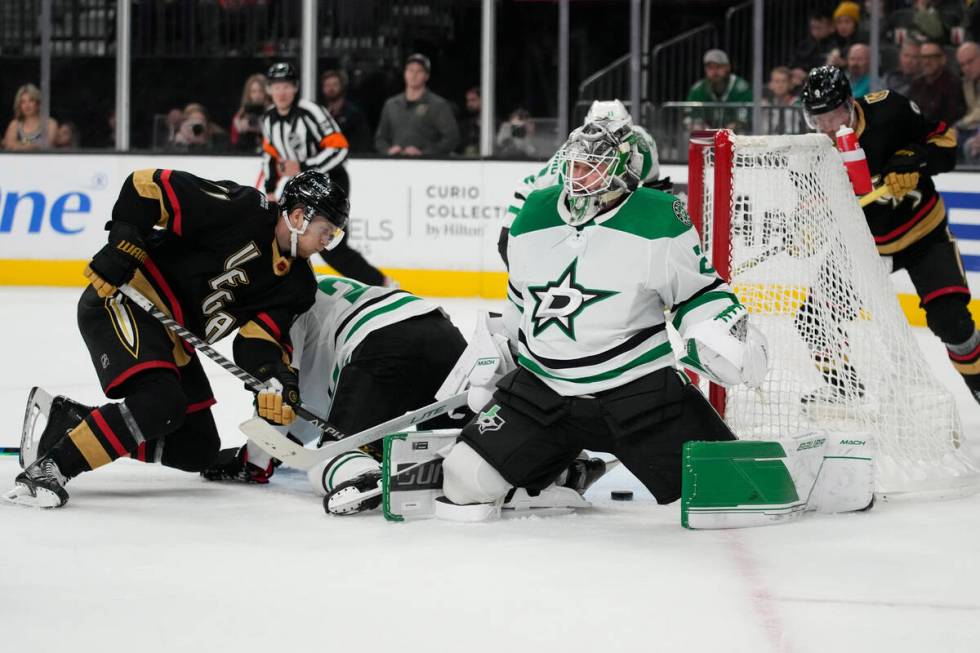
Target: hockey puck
x,y
621,495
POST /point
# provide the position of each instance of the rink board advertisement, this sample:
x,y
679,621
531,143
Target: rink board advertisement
x,y
433,225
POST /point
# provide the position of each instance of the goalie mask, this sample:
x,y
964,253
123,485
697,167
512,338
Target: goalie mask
x,y
319,197
598,164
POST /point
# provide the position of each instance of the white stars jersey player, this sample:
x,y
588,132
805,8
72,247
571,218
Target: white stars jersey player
x,y
590,301
324,337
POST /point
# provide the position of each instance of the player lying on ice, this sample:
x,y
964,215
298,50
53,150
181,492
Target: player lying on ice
x,y
594,265
215,256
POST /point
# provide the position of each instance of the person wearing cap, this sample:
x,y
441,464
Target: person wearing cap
x,y
847,17
719,85
416,122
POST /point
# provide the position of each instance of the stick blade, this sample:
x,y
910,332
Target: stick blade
x,y
276,444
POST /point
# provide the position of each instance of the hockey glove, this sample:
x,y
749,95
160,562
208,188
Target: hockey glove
x,y
275,401
234,465
116,263
902,171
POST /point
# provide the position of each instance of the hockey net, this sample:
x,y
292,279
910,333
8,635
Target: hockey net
x,y
779,220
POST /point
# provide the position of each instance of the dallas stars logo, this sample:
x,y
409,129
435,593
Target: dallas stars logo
x,y
560,302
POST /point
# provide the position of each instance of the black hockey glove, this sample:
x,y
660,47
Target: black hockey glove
x,y
901,172
116,263
234,465
275,402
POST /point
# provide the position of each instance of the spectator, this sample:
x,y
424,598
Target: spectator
x,y
246,124
781,114
349,117
197,133
901,80
66,138
847,17
858,68
24,133
797,79
469,125
813,51
968,56
938,93
928,22
417,121
719,85
514,138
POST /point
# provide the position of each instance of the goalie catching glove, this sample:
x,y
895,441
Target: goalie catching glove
x,y
276,399
728,349
116,263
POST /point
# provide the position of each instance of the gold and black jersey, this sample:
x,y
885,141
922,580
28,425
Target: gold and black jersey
x,y
213,263
886,123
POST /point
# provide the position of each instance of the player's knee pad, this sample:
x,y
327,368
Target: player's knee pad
x,y
194,447
949,318
157,403
468,478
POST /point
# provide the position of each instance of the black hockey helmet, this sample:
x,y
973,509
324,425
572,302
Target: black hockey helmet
x,y
318,195
825,89
283,72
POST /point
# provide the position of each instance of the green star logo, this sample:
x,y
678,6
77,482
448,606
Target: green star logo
x,y
560,302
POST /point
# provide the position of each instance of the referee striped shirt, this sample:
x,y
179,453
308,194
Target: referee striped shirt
x,y
307,134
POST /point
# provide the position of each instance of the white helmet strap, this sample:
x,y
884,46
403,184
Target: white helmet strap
x,y
294,233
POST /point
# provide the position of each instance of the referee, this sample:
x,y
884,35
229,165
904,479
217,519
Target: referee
x,y
298,135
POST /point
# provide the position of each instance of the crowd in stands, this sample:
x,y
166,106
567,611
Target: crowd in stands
x,y
937,65
929,53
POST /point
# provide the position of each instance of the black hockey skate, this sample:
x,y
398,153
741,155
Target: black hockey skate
x,y
58,415
584,472
41,485
346,494
234,465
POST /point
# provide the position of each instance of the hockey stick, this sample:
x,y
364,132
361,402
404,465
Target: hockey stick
x,y
250,381
267,437
864,200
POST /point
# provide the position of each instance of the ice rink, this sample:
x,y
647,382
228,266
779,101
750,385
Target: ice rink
x,y
149,559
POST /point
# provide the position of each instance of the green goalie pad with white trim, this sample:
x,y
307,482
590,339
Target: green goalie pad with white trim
x,y
750,483
737,484
411,495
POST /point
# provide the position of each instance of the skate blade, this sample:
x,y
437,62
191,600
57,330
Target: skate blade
x,y
35,420
21,495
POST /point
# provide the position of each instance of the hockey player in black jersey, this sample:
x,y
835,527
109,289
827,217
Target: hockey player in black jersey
x,y
216,257
298,135
909,224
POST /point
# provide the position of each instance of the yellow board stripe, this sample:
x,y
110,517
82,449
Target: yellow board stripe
x,y
429,283
90,447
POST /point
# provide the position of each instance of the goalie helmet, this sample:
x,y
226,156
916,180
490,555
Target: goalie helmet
x,y
598,164
319,197
607,110
827,99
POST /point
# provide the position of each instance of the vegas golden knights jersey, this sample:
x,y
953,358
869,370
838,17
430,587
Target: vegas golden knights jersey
x,y
888,122
213,263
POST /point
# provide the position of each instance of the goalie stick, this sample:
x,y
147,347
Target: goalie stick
x,y
266,436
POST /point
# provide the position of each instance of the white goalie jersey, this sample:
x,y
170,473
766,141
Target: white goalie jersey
x,y
587,306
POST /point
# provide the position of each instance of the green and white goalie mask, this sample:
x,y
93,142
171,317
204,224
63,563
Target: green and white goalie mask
x,y
597,167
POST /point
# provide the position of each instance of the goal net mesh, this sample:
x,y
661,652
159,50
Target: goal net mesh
x,y
843,357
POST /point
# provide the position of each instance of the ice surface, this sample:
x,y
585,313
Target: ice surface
x,y
146,558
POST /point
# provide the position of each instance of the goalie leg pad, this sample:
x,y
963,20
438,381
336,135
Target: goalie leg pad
x,y
468,478
736,484
833,473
